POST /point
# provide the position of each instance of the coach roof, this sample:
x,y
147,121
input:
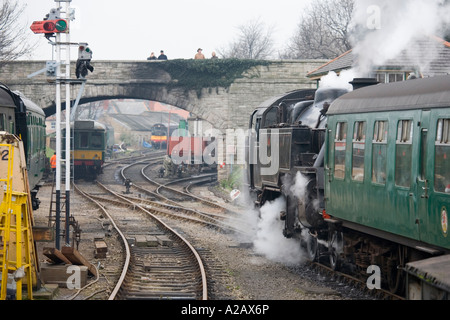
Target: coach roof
x,y
425,93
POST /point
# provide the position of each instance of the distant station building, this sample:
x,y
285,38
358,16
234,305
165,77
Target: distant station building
x,y
424,57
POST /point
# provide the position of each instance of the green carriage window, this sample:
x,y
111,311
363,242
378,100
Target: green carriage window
x,y
359,150
340,146
403,153
96,140
442,160
84,139
33,130
2,122
379,152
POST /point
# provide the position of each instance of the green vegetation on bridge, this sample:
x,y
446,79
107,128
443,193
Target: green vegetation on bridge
x,y
210,73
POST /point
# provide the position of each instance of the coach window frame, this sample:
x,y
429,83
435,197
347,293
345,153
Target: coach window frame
x,y
380,146
81,136
442,141
404,143
96,136
3,122
340,137
359,139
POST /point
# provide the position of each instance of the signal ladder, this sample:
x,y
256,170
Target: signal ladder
x,y
53,204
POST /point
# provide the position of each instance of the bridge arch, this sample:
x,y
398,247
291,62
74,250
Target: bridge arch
x,y
224,93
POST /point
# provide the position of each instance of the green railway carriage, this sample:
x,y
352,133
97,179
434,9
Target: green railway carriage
x,y
35,142
22,117
387,162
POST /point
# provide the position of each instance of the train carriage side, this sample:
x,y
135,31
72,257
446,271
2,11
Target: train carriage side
x,y
35,146
7,111
22,117
387,164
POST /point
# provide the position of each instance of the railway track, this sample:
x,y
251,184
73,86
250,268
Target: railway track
x,y
159,263
131,159
160,188
220,217
170,208
163,206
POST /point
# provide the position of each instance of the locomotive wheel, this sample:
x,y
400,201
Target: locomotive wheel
x,y
335,247
311,248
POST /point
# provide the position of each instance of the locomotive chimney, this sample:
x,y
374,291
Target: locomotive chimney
x,y
359,83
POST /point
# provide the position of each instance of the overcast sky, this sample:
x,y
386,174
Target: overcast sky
x,y
131,29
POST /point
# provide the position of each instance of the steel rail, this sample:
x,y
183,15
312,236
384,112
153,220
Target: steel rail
x,y
165,186
175,204
175,233
113,294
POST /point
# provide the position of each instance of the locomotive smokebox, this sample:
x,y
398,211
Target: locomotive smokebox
x,y
359,83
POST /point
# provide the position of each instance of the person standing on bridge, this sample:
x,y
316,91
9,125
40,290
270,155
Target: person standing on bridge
x,y
162,56
199,55
152,56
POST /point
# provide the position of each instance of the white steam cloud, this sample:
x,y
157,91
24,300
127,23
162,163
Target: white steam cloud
x,y
341,81
382,29
298,189
270,241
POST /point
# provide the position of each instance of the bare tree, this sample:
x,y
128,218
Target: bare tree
x,y
323,32
91,110
255,41
13,36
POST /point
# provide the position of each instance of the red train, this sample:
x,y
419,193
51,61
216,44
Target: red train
x,y
193,152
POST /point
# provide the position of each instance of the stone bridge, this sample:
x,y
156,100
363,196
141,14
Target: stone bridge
x,y
222,92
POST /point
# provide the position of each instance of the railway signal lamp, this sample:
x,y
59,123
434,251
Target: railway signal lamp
x,y
50,26
84,61
84,52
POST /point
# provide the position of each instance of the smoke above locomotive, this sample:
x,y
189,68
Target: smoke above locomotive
x,y
383,29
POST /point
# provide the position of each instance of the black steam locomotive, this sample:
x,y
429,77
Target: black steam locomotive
x,y
296,123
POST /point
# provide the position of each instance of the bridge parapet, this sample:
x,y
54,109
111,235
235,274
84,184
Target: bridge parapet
x,y
215,92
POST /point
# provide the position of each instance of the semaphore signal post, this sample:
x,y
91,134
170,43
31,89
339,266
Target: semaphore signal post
x,y
56,25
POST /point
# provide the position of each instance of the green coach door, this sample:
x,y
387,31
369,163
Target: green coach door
x,y
423,177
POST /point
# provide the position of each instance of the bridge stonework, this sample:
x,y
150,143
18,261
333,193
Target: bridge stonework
x,y
224,108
